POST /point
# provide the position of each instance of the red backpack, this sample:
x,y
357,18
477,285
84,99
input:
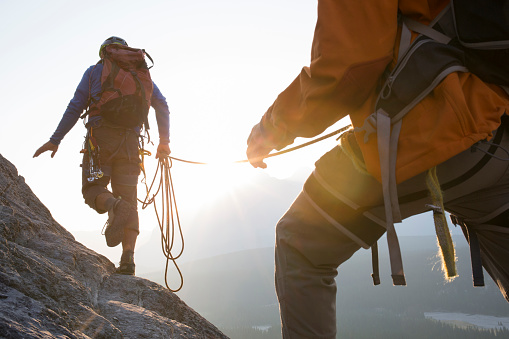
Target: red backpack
x,y
126,87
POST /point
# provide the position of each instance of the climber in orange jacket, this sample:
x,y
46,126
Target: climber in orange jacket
x,y
341,207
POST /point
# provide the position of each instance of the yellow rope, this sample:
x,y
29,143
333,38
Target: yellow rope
x,y
442,230
291,149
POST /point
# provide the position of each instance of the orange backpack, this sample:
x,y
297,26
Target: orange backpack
x,y
126,87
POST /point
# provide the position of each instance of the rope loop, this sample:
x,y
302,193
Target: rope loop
x,y
167,217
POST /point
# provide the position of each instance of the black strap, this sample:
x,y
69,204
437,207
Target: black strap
x,y
475,250
144,98
475,257
374,261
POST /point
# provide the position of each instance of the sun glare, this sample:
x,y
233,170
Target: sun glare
x,y
197,184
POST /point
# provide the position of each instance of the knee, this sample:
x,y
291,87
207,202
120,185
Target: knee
x,y
283,229
90,193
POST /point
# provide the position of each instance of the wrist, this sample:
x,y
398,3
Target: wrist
x,y
54,142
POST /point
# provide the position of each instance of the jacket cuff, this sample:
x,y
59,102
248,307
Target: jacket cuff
x,y
269,137
275,136
54,141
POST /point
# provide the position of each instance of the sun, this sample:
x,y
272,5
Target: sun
x,y
196,184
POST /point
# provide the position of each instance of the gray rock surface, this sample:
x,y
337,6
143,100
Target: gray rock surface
x,y
51,286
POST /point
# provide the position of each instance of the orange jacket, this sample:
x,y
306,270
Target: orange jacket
x,y
353,44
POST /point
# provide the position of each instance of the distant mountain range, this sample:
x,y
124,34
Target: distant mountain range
x,y
237,290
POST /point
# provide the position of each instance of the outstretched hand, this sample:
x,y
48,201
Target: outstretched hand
x,y
49,146
163,150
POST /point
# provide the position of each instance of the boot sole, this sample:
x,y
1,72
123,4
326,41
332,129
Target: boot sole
x,y
114,232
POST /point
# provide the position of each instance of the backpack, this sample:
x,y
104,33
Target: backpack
x,y
468,36
126,87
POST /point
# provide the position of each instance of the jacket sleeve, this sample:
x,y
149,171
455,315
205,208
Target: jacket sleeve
x,y
352,45
75,107
160,105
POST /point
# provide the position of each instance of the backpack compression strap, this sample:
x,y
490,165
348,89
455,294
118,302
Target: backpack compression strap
x,y
387,150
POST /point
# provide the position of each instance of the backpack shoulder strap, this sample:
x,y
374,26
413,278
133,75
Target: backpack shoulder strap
x,y
150,58
426,30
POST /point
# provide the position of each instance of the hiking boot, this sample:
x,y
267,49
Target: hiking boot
x,y
126,269
127,266
117,220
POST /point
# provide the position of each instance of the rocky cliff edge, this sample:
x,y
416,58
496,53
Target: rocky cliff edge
x,y
51,286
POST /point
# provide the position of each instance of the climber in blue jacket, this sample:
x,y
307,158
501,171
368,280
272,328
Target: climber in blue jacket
x,y
112,149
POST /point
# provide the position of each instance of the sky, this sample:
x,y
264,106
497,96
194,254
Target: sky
x,y
220,65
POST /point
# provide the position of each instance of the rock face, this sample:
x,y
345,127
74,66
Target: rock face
x,y
54,287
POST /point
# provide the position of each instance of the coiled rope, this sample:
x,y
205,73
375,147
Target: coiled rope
x,y
168,220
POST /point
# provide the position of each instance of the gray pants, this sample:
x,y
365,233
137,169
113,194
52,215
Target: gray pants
x,y
341,210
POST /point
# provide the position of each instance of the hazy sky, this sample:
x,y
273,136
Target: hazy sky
x,y
220,65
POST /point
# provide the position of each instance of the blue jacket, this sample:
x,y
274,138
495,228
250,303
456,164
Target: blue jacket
x,y
91,81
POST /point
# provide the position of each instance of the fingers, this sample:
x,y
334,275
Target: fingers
x,y
256,154
46,147
37,153
257,147
41,150
258,164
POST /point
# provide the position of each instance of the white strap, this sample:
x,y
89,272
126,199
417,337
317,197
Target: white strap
x,y
404,42
421,28
384,140
393,153
333,222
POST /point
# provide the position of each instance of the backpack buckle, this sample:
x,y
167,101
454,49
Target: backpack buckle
x,y
369,127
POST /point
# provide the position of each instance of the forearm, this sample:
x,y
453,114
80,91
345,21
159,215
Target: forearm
x,y
67,122
163,126
162,115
